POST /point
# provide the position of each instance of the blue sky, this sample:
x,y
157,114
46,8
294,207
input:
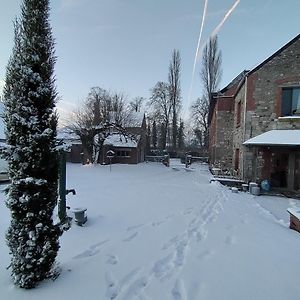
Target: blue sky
x,y
126,45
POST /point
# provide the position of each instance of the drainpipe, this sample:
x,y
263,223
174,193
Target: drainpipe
x,y
62,187
244,133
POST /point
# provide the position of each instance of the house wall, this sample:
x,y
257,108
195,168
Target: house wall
x,y
213,138
260,99
142,130
220,130
75,154
223,136
133,158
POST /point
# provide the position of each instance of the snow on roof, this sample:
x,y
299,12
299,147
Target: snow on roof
x,y
289,117
66,134
276,138
135,119
294,211
119,140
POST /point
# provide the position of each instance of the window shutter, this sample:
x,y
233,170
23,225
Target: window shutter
x,y
286,102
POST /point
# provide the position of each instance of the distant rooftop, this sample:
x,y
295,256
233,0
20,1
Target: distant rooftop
x,y
119,140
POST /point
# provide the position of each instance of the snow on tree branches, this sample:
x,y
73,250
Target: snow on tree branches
x,y
30,119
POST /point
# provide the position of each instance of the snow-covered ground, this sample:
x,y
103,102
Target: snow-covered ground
x,y
167,233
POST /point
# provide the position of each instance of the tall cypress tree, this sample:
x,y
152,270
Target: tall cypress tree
x,y
181,135
31,121
154,135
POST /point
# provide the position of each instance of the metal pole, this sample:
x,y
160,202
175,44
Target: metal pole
x,y
62,187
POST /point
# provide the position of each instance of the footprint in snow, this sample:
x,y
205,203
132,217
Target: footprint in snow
x,y
128,278
135,227
206,254
163,267
93,250
131,237
112,260
201,234
136,289
230,240
154,224
166,266
173,241
112,290
178,291
188,211
170,216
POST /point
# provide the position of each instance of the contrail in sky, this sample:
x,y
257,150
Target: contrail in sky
x,y
215,32
200,35
217,29
197,50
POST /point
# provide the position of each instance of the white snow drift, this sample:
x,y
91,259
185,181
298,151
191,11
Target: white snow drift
x,y
156,233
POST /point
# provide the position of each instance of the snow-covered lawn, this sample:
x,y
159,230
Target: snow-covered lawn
x,y
167,233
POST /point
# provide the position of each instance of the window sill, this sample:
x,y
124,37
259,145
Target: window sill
x,y
289,119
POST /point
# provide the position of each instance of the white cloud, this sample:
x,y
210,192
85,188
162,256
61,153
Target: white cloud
x,y
65,111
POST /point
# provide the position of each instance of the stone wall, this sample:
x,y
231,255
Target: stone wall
x,y
223,149
238,129
263,103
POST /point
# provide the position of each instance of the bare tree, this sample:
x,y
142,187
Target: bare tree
x,y
199,113
211,73
162,106
100,112
98,103
137,103
119,111
174,92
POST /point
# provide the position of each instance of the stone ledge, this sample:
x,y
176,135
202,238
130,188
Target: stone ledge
x,y
291,119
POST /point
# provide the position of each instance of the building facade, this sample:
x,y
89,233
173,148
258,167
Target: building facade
x,y
221,118
127,149
266,121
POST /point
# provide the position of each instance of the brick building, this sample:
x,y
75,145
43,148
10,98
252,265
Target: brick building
x,y
263,134
220,119
127,150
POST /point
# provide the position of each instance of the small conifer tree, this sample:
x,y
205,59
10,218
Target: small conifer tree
x,y
31,121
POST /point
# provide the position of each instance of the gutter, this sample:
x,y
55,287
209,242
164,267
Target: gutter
x,y
244,133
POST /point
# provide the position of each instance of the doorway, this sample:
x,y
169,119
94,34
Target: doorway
x,y
279,169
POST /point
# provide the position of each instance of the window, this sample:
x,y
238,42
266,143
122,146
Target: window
x,y
290,104
123,153
238,114
237,159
